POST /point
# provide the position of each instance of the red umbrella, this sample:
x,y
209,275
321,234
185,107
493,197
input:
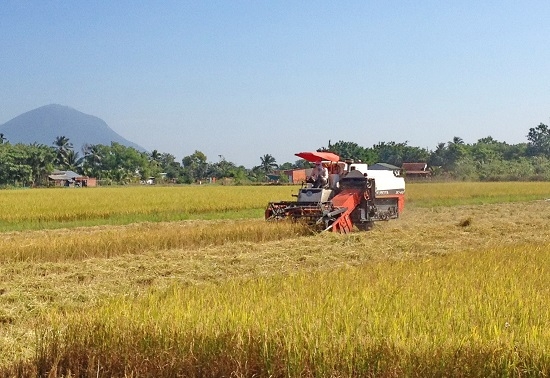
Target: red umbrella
x,y
318,156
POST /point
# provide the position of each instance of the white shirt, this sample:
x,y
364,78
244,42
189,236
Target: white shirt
x,y
320,171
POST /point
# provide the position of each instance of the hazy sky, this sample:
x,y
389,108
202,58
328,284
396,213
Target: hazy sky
x,y
246,78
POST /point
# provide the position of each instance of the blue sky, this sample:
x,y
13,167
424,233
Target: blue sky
x,y
242,79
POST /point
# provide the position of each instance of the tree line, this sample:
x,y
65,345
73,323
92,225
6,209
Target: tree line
x,y
29,165
486,160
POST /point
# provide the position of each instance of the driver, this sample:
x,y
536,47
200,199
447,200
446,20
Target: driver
x,y
319,176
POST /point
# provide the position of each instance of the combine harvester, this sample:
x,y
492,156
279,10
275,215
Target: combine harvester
x,y
354,196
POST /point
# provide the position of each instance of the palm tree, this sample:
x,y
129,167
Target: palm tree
x,y
155,157
267,165
438,158
458,140
63,147
455,151
74,161
92,159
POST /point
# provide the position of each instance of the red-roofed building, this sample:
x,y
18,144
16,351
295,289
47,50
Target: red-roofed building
x,y
416,170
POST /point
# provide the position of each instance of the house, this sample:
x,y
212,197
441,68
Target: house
x,y
295,176
70,178
412,170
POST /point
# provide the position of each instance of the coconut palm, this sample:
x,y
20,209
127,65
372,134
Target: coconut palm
x,y
92,159
63,146
268,164
74,161
155,158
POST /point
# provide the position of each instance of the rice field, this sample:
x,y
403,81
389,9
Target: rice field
x,y
70,207
474,193
432,317
456,287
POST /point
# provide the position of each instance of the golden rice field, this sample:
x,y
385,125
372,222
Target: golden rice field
x,y
70,207
146,282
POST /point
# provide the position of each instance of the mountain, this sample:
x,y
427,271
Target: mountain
x,y
43,125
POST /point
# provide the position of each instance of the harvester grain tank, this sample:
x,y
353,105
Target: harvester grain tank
x,y
354,197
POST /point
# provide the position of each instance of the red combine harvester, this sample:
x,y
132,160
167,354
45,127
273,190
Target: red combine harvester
x,y
354,196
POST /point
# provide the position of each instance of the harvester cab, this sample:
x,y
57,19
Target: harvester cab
x,y
355,197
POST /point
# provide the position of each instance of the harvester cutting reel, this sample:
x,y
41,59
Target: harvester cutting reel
x,y
318,215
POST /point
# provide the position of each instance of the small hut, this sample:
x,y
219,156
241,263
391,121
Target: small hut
x,y
71,179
